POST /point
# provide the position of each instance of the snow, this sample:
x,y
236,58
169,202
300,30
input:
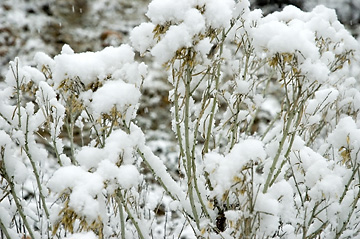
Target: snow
x,y
114,94
162,11
224,169
268,208
187,23
130,176
315,70
175,38
242,86
314,119
5,216
203,47
283,192
71,176
46,93
300,33
34,74
279,37
66,49
326,96
232,215
132,73
85,196
13,75
89,157
160,171
97,168
241,8
90,66
121,143
271,105
331,186
142,37
126,176
85,235
219,13
345,132
43,59
66,161
14,166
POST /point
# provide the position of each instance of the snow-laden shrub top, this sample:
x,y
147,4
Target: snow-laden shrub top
x,y
183,21
90,65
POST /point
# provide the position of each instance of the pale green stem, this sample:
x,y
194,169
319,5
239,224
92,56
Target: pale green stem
x,y
177,125
304,226
194,166
4,230
16,76
54,141
159,179
70,130
353,207
216,75
56,152
271,125
189,159
113,123
291,114
36,173
294,111
278,153
18,203
133,220
288,150
352,178
91,118
122,219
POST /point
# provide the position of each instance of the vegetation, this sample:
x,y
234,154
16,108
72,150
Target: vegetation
x,y
264,110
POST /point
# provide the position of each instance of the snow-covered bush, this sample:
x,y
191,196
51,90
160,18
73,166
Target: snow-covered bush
x,y
265,113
